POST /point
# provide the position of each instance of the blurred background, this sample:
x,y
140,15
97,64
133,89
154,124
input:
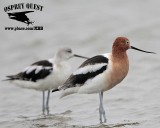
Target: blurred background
x,y
89,27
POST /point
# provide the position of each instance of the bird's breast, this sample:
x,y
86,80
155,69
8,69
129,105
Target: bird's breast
x,y
117,71
62,72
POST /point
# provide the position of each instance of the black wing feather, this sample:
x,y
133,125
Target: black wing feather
x,y
82,78
94,60
32,76
43,63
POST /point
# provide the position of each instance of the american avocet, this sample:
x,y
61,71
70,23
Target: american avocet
x,y
101,73
45,75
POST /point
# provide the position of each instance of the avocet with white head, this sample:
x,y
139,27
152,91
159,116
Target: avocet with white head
x,y
45,75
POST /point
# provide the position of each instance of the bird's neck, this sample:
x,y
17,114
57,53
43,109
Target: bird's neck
x,y
58,62
119,55
120,59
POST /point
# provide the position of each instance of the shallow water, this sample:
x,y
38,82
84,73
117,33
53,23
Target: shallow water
x,y
89,28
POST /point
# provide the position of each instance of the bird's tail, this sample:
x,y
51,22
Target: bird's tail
x,y
58,89
66,91
55,90
69,91
11,77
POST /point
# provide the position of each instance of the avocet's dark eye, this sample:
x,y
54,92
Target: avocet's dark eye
x,y
69,51
127,42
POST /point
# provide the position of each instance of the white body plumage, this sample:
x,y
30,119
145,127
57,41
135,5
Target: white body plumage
x,y
57,77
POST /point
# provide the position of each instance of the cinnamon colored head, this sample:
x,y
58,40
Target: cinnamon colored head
x,y
122,44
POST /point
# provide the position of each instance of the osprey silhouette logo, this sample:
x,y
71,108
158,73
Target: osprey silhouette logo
x,y
20,12
21,16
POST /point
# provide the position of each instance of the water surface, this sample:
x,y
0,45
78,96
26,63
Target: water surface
x,y
89,28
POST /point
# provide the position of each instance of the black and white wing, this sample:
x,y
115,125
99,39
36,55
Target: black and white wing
x,y
36,71
88,70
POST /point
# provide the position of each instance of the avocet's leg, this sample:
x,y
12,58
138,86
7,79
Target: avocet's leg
x,y
101,109
47,103
43,103
104,114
